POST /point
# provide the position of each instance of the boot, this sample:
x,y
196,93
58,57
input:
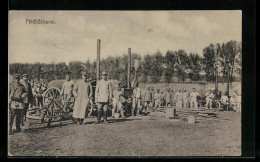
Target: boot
x,y
98,117
105,117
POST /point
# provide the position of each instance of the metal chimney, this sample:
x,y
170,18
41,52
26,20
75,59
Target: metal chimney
x,y
98,59
129,68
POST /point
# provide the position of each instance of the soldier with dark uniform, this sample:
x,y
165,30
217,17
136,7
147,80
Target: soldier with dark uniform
x,y
17,94
28,100
103,96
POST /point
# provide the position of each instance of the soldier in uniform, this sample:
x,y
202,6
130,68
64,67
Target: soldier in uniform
x,y
17,94
147,98
83,93
117,104
185,96
28,100
193,98
67,91
168,97
178,98
103,96
209,97
157,98
136,105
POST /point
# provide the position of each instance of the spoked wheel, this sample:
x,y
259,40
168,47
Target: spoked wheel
x,y
52,100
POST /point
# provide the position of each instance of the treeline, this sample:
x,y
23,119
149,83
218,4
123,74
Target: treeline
x,y
156,67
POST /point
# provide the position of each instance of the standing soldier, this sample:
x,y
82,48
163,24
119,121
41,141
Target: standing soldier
x,y
153,101
67,90
147,98
117,104
178,99
209,97
168,97
17,94
28,100
103,96
157,98
136,105
185,96
83,93
193,98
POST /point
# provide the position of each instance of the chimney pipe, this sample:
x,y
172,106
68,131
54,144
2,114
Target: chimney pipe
x,y
98,59
129,68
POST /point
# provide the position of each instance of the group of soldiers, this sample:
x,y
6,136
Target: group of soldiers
x,y
22,94
20,97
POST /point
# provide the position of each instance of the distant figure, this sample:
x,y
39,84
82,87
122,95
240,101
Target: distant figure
x,y
39,92
147,98
162,99
83,94
168,97
103,96
157,99
178,98
17,94
153,101
185,96
193,98
67,91
117,104
209,98
225,101
136,103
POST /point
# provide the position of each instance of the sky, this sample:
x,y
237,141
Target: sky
x,y
74,35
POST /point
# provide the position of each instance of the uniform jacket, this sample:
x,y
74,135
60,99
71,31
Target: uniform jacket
x,y
83,92
67,87
147,95
137,93
16,95
103,91
28,90
178,96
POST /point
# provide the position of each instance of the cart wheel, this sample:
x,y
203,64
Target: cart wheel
x,y
53,98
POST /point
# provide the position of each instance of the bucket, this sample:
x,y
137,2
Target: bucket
x,y
170,112
192,119
116,115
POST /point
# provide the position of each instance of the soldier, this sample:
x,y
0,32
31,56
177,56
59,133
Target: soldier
x,y
209,97
28,100
225,101
67,91
117,104
162,100
185,96
153,101
137,94
83,94
17,94
178,98
168,97
103,96
193,98
147,98
157,99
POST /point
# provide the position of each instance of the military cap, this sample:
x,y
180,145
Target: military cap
x,y
104,73
16,76
25,75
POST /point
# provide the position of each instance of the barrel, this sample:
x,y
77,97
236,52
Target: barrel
x,y
192,119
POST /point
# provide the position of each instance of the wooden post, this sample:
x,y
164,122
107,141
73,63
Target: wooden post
x,y
98,59
129,68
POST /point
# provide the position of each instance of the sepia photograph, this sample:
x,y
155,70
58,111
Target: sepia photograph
x,y
119,83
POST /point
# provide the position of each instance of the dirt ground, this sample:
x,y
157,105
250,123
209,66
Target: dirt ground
x,y
151,135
